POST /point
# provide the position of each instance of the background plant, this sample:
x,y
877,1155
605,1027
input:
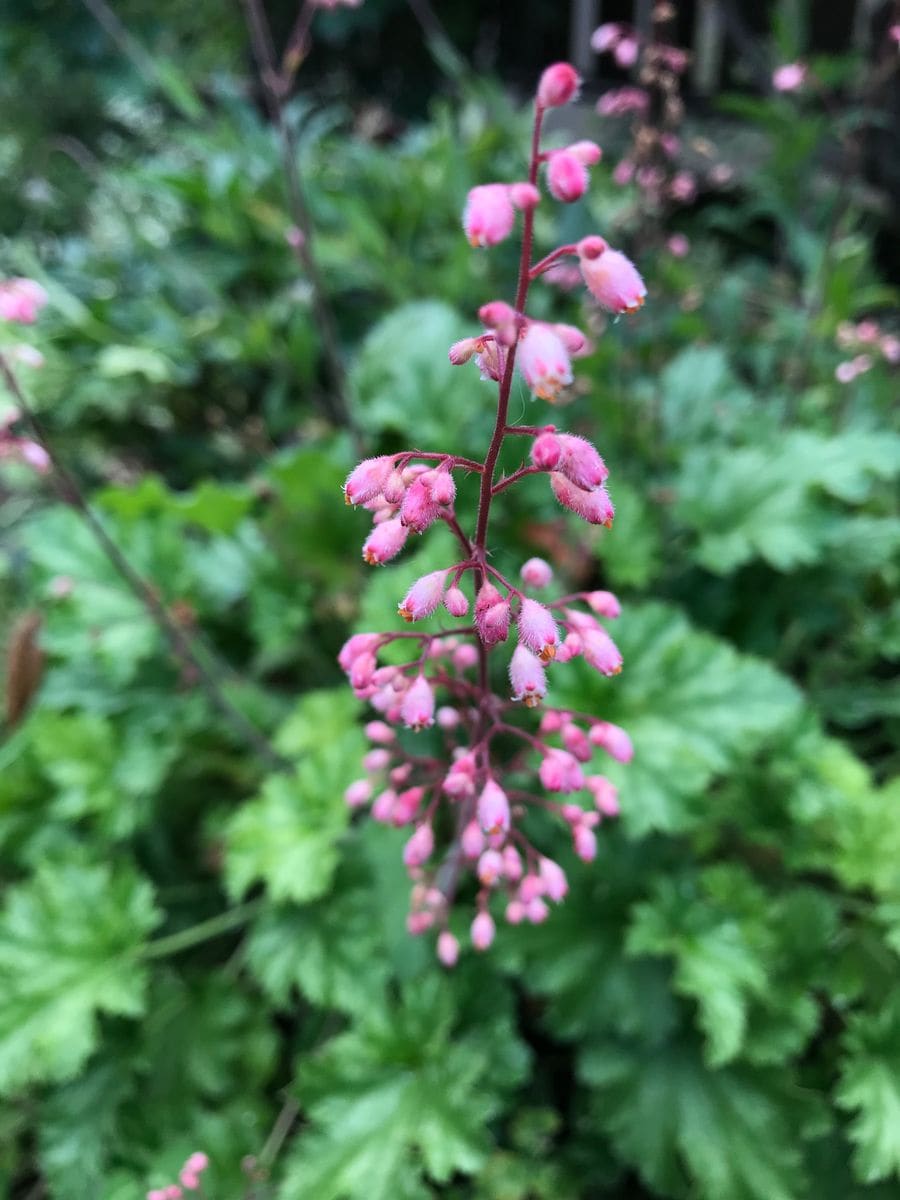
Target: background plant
x,y
184,931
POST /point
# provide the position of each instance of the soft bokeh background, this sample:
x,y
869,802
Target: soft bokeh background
x,y
200,952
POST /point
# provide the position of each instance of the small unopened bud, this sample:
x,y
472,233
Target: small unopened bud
x,y
419,848
447,948
536,573
524,196
493,808
417,708
546,451
455,601
567,177
483,930
559,84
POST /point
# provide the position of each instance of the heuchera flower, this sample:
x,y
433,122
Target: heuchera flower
x,y
385,542
493,808
423,597
537,629
558,85
417,708
544,361
593,506
489,215
789,77
527,677
536,573
21,300
611,278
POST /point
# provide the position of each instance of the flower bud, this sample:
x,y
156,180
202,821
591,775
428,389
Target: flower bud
x,y
417,709
524,196
554,878
594,506
611,278
613,739
604,604
544,361
560,772
567,177
546,451
447,948
527,677
559,84
483,930
493,808
581,463
385,542
358,793
472,840
367,480
418,508
489,215
455,601
536,573
419,848
423,597
490,867
537,629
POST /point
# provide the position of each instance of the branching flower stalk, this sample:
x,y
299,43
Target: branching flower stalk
x,y
466,802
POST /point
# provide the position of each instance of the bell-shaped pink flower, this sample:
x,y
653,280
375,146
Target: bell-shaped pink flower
x,y
358,793
554,878
419,848
544,361
567,176
611,278
447,948
536,572
600,651
512,864
605,793
483,930
456,602
546,451
559,84
418,508
789,77
417,709
359,643
585,841
490,867
442,486
385,542
580,462
460,352
561,772
613,739
537,629
604,604
586,151
367,480
491,615
493,808
489,215
472,840
423,597
577,742
527,677
21,300
595,506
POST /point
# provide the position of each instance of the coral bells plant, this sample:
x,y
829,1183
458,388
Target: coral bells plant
x,y
465,803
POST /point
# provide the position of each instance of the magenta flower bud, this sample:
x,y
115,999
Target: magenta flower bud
x,y
417,709
460,352
789,77
394,488
491,615
447,717
492,361
385,542
358,793
605,37
497,313
604,604
197,1162
376,760
553,720
572,814
490,867
601,652
379,731
418,508
465,656
455,601
383,806
626,52
561,772
586,152
483,930
567,176
611,278
524,196
527,677
546,451
559,84
399,775
419,848
544,361
158,1194
512,864
459,782
447,948
189,1180
536,573
443,488
423,597
472,840
419,922
406,806
554,878
493,809
355,646
531,887
362,669
537,629
619,102
576,741
581,463
573,339
585,841
367,481
613,739
605,793
594,506
21,300
489,215
536,911
515,912
623,173
173,1191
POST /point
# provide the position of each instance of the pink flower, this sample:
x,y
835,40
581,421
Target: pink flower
x,y
379,731
489,215
544,361
491,615
626,52
472,840
460,352
355,646
623,172
586,152
546,451
594,506
554,878
789,77
419,848
890,345
447,948
512,864
536,573
524,196
580,462
585,843
600,651
610,277
358,793
418,508
483,930
366,481
527,677
21,300
537,629
567,176
605,793
620,101
558,85
604,604
678,245
493,808
490,867
613,739
577,742
423,597
417,709
447,717
845,372
385,542
515,912
683,187
455,601
561,772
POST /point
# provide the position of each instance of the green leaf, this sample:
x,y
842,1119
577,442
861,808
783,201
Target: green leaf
x,y
694,709
734,1132
69,938
404,1093
287,836
870,1087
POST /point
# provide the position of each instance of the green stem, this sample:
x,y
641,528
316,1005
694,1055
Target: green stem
x,y
194,935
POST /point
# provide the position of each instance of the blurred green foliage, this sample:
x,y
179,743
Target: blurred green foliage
x,y
190,943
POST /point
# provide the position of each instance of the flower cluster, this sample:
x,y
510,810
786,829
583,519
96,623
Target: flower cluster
x,y
189,1179
21,300
867,339
450,759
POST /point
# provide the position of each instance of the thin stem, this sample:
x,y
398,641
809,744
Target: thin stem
x,y
509,480
263,52
205,931
181,643
548,261
530,430
295,51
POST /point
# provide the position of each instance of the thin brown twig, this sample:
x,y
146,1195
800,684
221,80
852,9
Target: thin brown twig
x,y
180,641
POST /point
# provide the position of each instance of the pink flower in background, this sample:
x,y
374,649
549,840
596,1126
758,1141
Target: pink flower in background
x,y
678,245
489,215
621,101
21,300
789,77
611,278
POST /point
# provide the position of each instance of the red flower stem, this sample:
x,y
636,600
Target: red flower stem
x,y
530,430
509,480
551,258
